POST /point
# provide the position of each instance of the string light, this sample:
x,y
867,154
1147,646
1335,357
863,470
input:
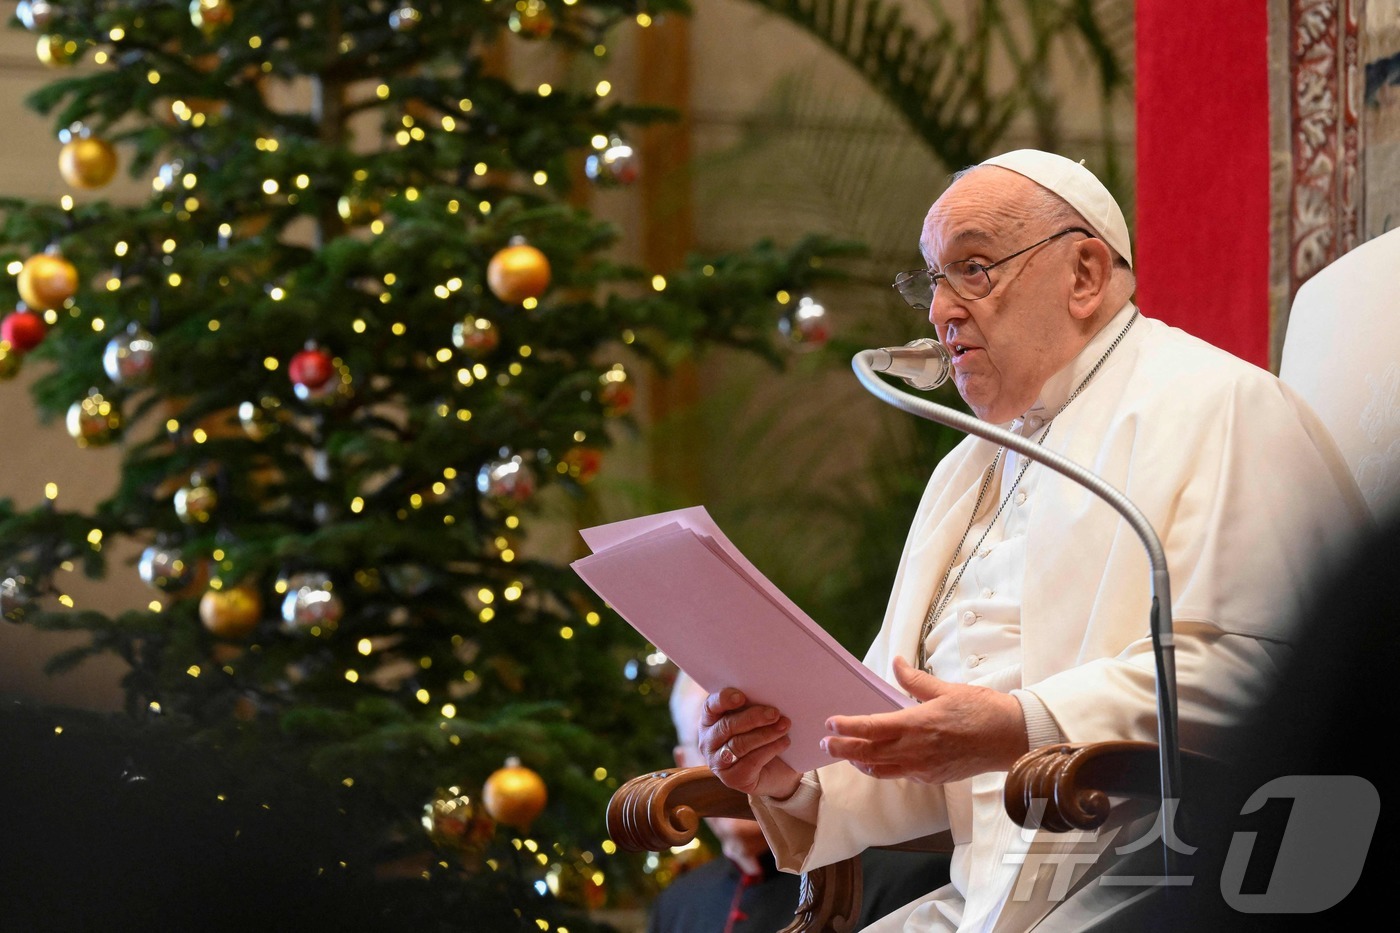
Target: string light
x,y
658,283
604,88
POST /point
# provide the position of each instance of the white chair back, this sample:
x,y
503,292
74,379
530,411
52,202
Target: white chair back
x,y
1342,354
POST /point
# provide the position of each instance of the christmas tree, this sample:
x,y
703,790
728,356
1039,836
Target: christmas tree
x,y
361,319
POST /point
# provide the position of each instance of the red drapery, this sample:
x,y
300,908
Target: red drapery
x,y
1202,239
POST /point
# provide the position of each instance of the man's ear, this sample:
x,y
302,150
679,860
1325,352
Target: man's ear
x,y
1093,270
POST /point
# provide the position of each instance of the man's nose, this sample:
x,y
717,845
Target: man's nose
x,y
946,306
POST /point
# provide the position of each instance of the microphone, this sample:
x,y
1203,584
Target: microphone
x,y
924,363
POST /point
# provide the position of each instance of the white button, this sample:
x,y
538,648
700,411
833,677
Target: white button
x,y
975,661
969,617
986,593
1021,497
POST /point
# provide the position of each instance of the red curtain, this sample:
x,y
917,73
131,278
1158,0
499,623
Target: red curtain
x,y
1202,244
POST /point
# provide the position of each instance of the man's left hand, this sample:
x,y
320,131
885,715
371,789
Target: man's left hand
x,y
955,732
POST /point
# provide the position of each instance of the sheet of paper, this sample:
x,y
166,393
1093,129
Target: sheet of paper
x,y
683,585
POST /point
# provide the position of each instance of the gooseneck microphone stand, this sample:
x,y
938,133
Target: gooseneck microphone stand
x,y
930,356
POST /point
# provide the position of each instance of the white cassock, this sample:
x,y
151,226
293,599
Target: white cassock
x,y
1249,496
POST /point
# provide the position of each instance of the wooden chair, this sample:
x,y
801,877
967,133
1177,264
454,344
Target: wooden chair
x,y
1065,788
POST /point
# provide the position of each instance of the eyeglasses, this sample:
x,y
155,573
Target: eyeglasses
x,y
967,278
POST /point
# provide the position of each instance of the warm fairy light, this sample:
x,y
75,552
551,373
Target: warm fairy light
x,y
153,76
426,663
66,202
464,414
357,505
402,138
190,181
364,646
218,553
441,292
464,105
95,537
100,57
609,847
270,363
515,369
199,435
422,695
485,595
593,618
579,437
14,267
172,425
193,670
629,336
658,283
600,774
154,706
98,324
410,193
415,501
358,325
464,376
255,42
454,206
117,34
479,370
448,711
479,168
213,325
303,181
507,556
604,88
352,675
643,20
225,230
783,297
443,355
484,207
277,293
513,592
566,633
545,90
512,521
270,186
348,782
530,304
51,491
155,605
51,316
376,227
114,284
600,50
486,614
398,328
454,284
66,600
417,134
382,92
540,178
448,123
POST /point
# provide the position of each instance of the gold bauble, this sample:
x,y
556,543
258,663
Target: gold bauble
x,y
211,15
94,421
357,209
456,821
10,361
46,281
194,504
518,272
87,162
231,613
56,51
514,795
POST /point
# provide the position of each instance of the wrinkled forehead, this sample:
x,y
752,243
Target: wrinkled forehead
x,y
981,210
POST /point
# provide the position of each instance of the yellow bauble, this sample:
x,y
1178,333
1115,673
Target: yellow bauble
x,y
56,51
211,15
47,281
514,795
231,613
518,272
87,162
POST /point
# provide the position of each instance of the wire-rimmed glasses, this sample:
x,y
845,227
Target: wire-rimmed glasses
x,y
967,278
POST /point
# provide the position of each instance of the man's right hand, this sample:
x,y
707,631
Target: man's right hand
x,y
741,744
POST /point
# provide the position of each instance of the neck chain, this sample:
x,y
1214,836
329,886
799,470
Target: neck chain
x,y
944,594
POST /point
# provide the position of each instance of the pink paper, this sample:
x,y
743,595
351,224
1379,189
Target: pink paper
x,y
679,581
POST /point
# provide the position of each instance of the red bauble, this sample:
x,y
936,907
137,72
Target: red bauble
x,y
312,367
23,330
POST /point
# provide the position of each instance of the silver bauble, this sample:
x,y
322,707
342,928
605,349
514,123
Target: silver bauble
x,y
130,357
311,602
35,14
806,327
14,597
508,480
194,504
94,421
405,19
475,336
165,569
616,164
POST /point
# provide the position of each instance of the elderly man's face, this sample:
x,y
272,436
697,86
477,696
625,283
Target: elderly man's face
x,y
1007,344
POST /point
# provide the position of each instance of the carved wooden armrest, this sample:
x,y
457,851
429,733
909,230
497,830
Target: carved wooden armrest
x,y
663,809
1066,788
